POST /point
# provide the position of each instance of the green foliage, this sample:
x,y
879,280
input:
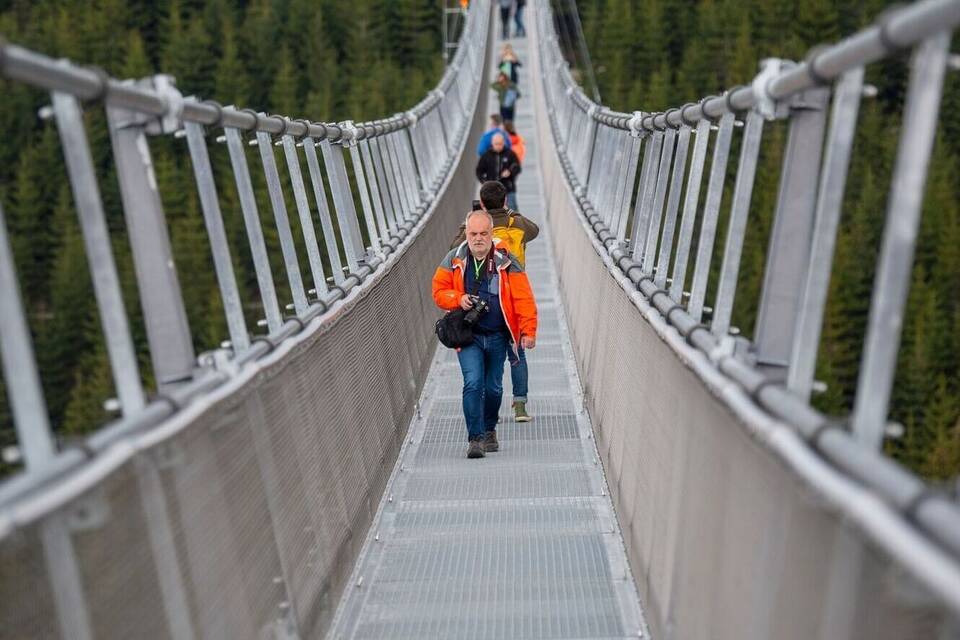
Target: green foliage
x,y
324,60
654,54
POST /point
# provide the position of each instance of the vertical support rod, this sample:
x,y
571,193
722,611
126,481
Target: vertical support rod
x,y
833,178
690,204
251,220
323,208
711,211
660,194
99,251
892,281
737,229
372,179
20,376
673,205
645,198
365,204
343,201
306,217
788,257
383,181
219,248
171,345
279,206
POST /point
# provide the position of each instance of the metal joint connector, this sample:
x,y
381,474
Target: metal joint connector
x,y
635,124
165,86
349,134
765,105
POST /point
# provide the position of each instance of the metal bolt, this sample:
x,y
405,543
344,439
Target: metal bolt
x,y
953,62
45,113
869,91
253,142
262,322
180,133
289,307
819,386
111,405
226,344
221,139
894,430
738,123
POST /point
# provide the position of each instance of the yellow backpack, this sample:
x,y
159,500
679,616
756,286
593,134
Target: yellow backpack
x,y
512,239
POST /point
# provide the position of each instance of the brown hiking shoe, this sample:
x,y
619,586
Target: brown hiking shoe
x,y
520,411
490,443
475,449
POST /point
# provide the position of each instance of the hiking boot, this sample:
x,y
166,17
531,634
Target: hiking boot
x,y
475,449
490,443
520,411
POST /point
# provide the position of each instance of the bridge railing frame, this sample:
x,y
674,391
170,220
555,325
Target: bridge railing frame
x,y
600,152
402,166
398,163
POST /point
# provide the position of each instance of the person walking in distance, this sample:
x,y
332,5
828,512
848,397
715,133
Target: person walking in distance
x,y
509,321
507,95
515,141
520,30
509,63
514,231
496,126
505,6
500,164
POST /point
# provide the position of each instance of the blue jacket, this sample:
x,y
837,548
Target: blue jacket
x,y
487,138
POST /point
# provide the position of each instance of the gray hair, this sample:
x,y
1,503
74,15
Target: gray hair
x,y
478,212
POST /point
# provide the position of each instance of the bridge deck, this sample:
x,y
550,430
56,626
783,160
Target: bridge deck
x,y
521,544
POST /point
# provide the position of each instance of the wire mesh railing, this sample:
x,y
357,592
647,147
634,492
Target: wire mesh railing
x,y
651,187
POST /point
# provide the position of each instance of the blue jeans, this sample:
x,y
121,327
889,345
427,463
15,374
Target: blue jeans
x,y
481,364
518,20
512,200
519,375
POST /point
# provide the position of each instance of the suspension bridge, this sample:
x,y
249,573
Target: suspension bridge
x,y
307,479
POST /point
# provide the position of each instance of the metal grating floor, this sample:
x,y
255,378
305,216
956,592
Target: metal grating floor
x,y
521,544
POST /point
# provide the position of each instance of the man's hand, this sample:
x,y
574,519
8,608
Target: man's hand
x,y
465,302
528,342
505,173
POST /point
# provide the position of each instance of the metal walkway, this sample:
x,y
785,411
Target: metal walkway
x,y
521,544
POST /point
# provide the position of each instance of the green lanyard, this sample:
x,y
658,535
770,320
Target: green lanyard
x,y
477,268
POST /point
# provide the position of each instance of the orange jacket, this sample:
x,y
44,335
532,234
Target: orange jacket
x,y
518,145
516,296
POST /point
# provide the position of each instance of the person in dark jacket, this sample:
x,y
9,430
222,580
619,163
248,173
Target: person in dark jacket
x,y
500,164
496,126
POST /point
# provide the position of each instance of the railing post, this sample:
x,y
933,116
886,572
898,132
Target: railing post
x,y
789,252
892,282
343,202
219,248
99,252
833,178
164,314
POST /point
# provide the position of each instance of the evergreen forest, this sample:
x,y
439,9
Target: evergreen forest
x,y
331,60
326,60
651,55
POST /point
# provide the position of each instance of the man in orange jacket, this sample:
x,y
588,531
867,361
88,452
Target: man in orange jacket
x,y
479,269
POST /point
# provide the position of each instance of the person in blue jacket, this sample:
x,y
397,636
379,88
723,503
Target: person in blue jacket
x,y
496,126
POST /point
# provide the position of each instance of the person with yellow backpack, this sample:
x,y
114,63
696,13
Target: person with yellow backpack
x,y
514,231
